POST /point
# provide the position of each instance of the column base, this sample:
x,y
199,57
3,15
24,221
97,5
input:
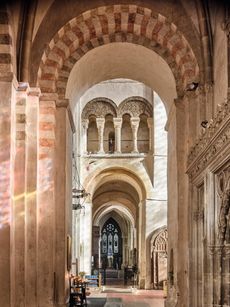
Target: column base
x,y
135,151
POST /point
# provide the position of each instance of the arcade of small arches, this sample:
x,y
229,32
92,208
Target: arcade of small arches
x,y
125,129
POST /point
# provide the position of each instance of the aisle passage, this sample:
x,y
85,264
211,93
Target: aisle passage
x,y
120,297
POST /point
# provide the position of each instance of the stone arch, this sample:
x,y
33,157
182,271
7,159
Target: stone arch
x,y
107,207
135,106
100,107
117,23
149,242
131,172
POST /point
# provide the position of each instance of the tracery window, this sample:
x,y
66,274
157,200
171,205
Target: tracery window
x,y
111,237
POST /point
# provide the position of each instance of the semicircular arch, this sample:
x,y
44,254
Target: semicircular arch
x,y
117,23
100,107
110,206
138,175
135,106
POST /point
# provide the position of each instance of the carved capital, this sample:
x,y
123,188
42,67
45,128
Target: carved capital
x,y
117,121
85,123
100,123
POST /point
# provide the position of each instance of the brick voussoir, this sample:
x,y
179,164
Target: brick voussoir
x,y
118,23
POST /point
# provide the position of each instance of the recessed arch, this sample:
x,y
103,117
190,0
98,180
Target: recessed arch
x,y
109,207
135,106
133,174
99,107
118,23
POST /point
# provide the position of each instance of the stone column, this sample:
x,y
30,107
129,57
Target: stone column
x,y
117,125
31,251
87,237
85,124
46,201
7,152
135,124
150,126
18,212
142,244
63,198
100,127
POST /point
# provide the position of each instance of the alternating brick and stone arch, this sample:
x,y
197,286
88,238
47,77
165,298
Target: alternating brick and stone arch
x,y
118,23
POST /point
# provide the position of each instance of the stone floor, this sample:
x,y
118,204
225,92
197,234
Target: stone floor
x,y
125,297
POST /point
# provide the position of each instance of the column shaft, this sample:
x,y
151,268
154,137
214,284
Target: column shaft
x,y
46,201
85,124
117,125
18,213
87,238
100,127
32,108
135,124
150,126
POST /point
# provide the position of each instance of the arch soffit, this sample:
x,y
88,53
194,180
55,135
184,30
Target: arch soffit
x,y
132,171
102,179
100,107
109,207
138,175
122,196
118,23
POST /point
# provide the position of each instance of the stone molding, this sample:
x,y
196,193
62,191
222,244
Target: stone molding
x,y
221,250
211,142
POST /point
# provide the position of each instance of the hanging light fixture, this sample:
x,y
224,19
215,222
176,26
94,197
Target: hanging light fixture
x,y
79,193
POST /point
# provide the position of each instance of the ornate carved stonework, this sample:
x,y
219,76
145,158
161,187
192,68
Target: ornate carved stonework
x,y
211,142
198,215
99,107
223,189
135,106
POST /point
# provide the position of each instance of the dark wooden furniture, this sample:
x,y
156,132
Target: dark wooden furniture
x,y
77,293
